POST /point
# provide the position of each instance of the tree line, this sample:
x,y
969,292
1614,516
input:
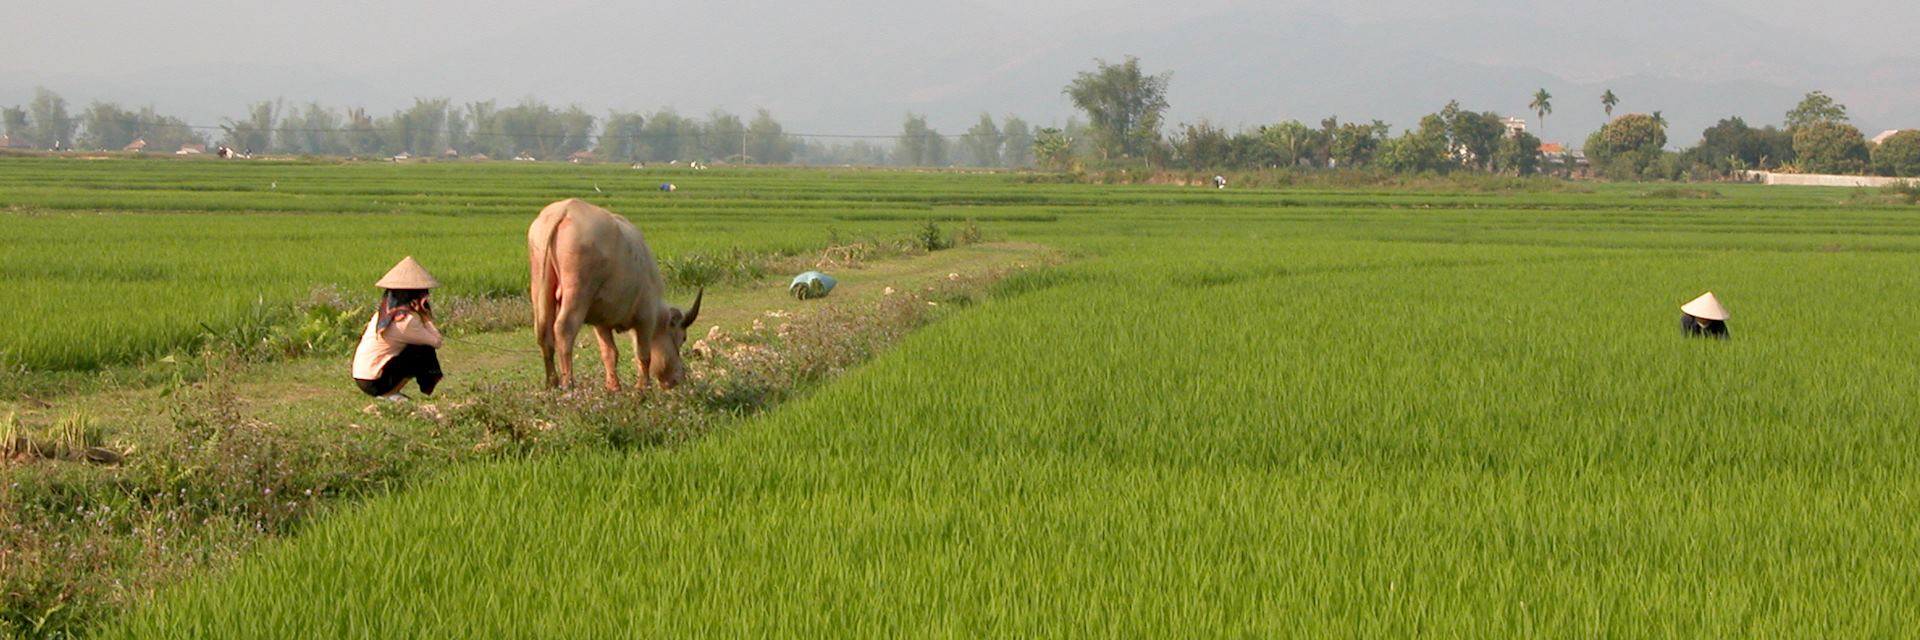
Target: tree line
x,y
1123,108
531,129
1125,105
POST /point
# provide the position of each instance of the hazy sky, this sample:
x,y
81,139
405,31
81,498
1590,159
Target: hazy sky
x,y
857,64
107,36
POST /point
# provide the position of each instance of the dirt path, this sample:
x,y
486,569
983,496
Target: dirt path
x,y
303,389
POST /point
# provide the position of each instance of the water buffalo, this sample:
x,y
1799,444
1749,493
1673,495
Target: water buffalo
x,y
590,266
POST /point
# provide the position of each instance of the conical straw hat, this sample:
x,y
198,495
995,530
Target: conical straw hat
x,y
407,275
1705,307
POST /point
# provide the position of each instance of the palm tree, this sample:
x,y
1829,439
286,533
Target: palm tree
x,y
1541,105
1608,100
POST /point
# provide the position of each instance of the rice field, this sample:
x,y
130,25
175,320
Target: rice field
x,y
1241,413
107,264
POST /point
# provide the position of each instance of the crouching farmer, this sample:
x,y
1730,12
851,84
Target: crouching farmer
x,y
1703,317
400,339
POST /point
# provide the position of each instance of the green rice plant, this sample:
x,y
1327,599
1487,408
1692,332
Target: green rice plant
x,y
15,440
969,233
72,437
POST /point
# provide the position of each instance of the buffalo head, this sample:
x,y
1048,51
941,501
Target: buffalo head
x,y
664,361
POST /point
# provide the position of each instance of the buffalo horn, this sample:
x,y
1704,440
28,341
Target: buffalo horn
x,y
693,312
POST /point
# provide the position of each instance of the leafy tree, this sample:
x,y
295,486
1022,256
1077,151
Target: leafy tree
x,y
920,145
1249,149
723,136
1053,149
1730,145
483,119
1628,147
1203,146
1419,151
165,133
1123,105
17,126
1608,101
1016,143
1082,136
536,128
1631,132
1899,155
855,153
52,127
576,129
1355,145
1542,105
362,137
1323,142
983,143
1290,141
622,138
311,130
769,143
1519,154
670,136
104,125
255,132
1830,147
459,130
1816,108
420,130
287,132
1473,138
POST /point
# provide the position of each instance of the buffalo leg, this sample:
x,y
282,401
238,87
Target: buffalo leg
x,y
543,333
640,359
566,327
609,356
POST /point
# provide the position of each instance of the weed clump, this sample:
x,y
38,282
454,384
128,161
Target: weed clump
x,y
931,238
1682,193
1908,191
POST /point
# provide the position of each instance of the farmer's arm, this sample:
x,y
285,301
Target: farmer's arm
x,y
411,328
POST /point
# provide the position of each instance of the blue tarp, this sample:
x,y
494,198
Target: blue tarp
x,y
811,284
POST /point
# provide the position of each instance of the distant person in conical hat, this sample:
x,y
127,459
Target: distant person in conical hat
x,y
400,342
1704,317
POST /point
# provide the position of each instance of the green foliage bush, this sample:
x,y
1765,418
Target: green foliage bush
x,y
1629,148
1830,147
931,238
1899,155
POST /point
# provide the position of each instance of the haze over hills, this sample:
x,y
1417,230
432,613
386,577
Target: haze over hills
x,y
858,66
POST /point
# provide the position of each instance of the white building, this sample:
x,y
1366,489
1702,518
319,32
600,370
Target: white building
x,y
1515,126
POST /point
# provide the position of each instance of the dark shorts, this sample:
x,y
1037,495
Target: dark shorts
x,y
416,362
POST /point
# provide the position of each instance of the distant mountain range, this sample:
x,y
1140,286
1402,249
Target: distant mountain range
x,y
860,66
